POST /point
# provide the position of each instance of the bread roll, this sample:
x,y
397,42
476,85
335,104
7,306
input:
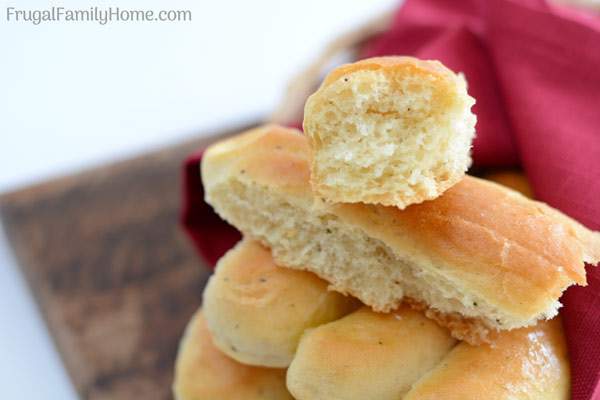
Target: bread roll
x,y
257,311
527,364
389,130
481,257
366,355
204,373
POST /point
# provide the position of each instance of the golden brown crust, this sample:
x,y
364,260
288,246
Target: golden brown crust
x,y
257,311
489,240
272,155
529,363
518,181
203,373
392,64
366,355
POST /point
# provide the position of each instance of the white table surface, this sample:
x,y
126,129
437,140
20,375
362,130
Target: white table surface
x,y
76,95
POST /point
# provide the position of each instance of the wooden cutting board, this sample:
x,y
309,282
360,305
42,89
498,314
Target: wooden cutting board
x,y
112,272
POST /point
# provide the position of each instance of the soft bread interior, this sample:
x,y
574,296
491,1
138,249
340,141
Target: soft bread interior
x,y
449,255
312,239
392,138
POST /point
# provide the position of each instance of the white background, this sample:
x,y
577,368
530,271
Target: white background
x,y
75,95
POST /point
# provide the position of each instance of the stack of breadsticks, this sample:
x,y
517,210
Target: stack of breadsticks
x,y
372,267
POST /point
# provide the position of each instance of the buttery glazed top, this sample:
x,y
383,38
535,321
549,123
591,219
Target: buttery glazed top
x,y
528,363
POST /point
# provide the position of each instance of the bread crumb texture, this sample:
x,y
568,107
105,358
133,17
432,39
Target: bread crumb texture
x,y
393,131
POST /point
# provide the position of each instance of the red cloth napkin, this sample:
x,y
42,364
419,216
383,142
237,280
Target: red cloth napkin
x,y
534,69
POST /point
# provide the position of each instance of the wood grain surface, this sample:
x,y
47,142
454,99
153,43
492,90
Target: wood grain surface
x,y
112,272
